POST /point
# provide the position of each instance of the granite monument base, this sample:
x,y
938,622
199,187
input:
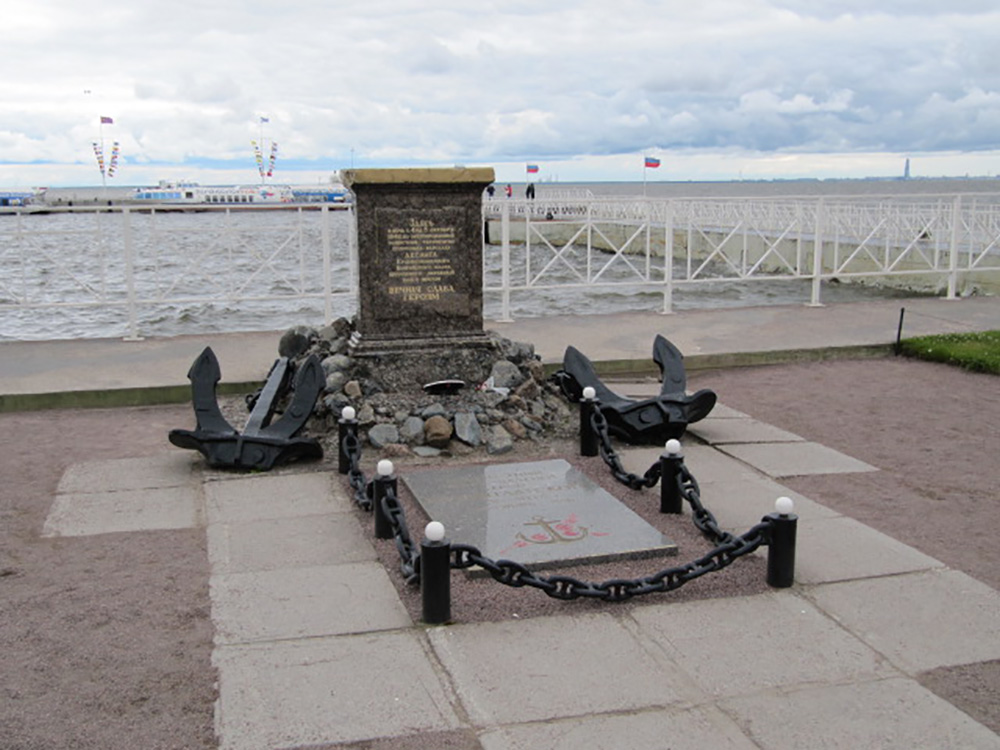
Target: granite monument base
x,y
402,364
542,514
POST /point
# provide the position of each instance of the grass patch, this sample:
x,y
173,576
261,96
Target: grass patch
x,y
979,352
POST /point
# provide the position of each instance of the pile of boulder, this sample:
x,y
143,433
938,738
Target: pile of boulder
x,y
508,400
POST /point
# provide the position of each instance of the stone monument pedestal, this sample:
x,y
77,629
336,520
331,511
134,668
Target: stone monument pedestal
x,y
420,264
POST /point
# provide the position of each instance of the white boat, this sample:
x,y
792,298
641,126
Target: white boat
x,y
182,194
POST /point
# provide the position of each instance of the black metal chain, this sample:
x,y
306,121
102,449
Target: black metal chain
x,y
409,554
599,424
729,547
362,496
616,589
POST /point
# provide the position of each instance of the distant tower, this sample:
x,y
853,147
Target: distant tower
x,y
906,169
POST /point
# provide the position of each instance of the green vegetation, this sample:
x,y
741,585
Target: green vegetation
x,y
979,352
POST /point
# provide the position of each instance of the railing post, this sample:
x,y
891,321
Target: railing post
x,y
668,259
346,427
781,545
327,260
384,483
956,218
505,263
435,575
133,323
817,269
588,437
671,460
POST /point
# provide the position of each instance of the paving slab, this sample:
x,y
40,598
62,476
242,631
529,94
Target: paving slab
x,y
795,459
295,542
518,671
889,714
327,690
841,548
737,495
691,729
721,431
272,605
256,498
86,514
920,620
747,644
173,469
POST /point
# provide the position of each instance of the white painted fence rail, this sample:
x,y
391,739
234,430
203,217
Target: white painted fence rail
x,y
119,261
942,242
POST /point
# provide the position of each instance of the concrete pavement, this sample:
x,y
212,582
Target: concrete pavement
x,y
113,372
313,646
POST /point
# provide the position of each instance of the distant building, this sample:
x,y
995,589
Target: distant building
x,y
906,170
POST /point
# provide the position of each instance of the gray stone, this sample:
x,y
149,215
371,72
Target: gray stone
x,y
426,451
296,341
499,441
366,415
412,430
537,513
382,434
434,410
437,431
335,381
352,388
336,363
467,429
506,374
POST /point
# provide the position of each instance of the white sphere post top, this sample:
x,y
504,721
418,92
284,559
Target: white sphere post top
x,y
348,413
589,392
784,505
434,531
385,468
673,446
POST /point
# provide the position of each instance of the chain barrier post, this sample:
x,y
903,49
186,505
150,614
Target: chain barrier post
x,y
348,426
589,440
435,575
781,544
384,483
671,461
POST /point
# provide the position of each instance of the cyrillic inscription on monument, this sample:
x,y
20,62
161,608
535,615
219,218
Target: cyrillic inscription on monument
x,y
419,252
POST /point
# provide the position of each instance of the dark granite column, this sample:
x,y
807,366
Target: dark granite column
x,y
420,265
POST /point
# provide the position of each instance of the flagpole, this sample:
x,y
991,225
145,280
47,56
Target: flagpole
x,y
644,170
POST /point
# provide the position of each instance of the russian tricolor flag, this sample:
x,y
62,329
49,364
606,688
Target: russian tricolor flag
x,y
652,163
532,169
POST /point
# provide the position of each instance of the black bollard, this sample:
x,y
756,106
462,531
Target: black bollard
x,y
589,441
348,425
781,546
384,483
435,575
671,461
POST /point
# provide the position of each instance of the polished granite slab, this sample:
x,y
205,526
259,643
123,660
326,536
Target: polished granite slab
x,y
540,514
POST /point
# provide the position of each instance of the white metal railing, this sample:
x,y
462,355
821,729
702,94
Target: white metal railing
x,y
125,262
129,269
548,245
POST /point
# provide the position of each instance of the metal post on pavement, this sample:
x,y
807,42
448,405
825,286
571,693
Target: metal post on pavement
x,y
588,436
435,575
384,483
781,545
671,460
347,427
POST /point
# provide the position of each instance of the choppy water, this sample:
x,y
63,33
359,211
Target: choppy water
x,y
68,276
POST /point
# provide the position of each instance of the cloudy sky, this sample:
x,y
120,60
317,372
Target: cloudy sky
x,y
717,89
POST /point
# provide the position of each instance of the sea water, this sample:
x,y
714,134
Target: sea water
x,y
64,275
